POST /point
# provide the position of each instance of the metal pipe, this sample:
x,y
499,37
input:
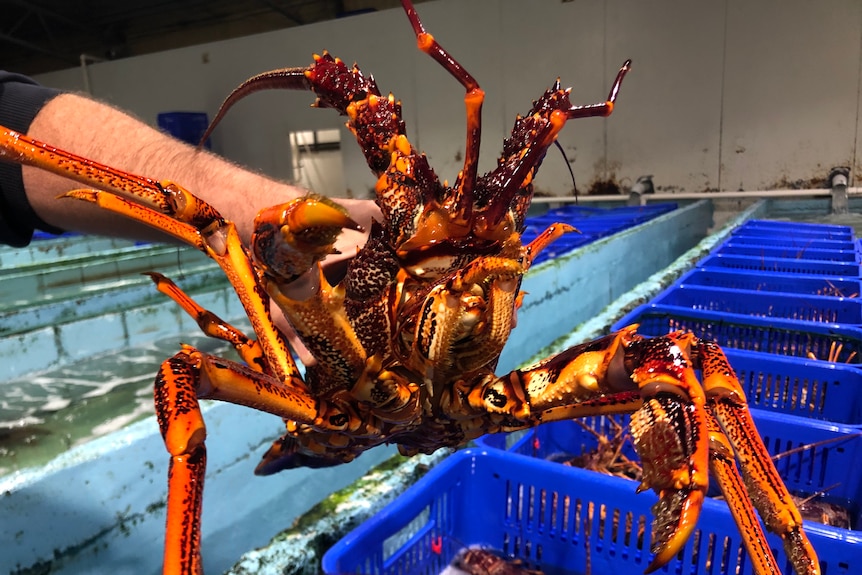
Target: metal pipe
x,y
85,70
838,180
642,186
752,194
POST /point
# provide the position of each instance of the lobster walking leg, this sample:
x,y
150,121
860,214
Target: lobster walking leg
x,y
544,239
212,325
762,481
723,467
182,380
183,432
681,428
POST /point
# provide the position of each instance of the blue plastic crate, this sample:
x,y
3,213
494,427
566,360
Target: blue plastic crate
x,y
798,234
575,220
734,249
768,335
654,210
785,223
639,213
186,126
782,224
550,516
602,229
781,265
560,441
573,211
597,227
825,464
768,282
579,211
802,307
826,231
39,235
789,241
801,387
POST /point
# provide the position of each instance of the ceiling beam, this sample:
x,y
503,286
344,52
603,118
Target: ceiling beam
x,y
37,9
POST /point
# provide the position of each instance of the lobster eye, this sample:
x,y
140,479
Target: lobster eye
x,y
359,96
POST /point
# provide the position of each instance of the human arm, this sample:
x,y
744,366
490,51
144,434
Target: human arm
x,y
104,134
110,136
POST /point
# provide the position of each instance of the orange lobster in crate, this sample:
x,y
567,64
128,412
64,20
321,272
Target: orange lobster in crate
x,y
406,344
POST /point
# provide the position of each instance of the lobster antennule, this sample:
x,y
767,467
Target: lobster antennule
x,y
281,79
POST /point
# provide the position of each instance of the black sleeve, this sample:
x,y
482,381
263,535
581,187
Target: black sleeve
x,y
20,100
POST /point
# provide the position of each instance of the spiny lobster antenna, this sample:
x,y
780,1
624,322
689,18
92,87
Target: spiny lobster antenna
x,y
569,166
281,79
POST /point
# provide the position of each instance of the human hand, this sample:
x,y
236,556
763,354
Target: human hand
x,y
334,267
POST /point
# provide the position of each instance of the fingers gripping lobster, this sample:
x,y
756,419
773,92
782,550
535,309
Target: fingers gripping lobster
x,y
406,344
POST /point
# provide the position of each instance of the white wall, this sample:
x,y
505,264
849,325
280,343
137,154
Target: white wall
x,y
727,94
321,171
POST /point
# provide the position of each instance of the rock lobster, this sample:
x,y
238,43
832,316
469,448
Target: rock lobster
x,y
406,344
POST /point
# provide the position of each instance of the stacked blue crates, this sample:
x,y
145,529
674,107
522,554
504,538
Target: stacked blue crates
x,y
792,330
188,127
784,289
592,224
783,300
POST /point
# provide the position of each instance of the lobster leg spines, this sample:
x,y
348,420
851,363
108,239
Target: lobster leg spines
x,y
399,196
376,124
373,119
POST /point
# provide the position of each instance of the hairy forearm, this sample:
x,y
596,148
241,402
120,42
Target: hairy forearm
x,y
109,136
